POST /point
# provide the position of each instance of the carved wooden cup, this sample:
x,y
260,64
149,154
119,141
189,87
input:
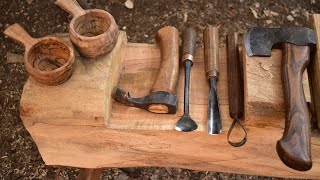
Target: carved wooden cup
x,y
48,60
93,32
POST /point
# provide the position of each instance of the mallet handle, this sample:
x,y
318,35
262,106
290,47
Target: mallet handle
x,y
294,147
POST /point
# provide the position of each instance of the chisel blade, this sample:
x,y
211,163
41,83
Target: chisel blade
x,y
214,115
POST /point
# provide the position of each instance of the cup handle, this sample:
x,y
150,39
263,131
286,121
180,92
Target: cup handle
x,y
17,33
71,6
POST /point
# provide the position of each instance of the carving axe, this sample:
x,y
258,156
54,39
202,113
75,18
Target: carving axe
x,y
294,146
162,98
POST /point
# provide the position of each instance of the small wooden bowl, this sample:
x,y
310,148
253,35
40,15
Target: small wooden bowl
x,y
93,32
48,60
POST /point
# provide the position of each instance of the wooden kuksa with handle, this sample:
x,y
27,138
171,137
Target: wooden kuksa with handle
x,y
48,60
294,147
93,32
211,41
167,77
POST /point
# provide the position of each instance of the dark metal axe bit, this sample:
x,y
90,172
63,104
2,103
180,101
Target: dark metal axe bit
x,y
162,98
294,146
211,60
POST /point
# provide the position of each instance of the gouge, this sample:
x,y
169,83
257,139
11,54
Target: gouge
x,y
211,60
162,98
186,123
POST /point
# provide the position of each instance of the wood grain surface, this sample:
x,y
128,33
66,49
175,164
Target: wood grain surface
x,y
72,132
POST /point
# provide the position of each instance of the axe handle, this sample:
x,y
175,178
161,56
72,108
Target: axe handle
x,y
211,51
294,147
167,77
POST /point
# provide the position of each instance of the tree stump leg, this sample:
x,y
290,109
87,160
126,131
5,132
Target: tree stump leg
x,y
89,174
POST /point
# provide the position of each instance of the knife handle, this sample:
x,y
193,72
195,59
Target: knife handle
x,y
234,76
211,51
294,146
189,45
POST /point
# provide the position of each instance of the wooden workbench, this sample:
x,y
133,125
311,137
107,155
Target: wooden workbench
x,y
73,124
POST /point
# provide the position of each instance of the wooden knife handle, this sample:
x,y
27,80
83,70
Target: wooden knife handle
x,y
234,76
17,33
294,146
211,51
71,6
189,44
167,78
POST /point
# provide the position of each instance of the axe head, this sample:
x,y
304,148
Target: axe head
x,y
259,41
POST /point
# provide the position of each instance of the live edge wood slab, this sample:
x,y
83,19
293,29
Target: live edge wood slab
x,y
75,134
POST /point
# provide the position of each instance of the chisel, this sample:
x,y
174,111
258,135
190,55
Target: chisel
x,y
211,60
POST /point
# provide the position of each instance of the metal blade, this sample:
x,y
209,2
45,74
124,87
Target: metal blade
x,y
259,41
214,115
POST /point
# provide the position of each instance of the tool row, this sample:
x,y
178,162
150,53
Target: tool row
x,y
162,97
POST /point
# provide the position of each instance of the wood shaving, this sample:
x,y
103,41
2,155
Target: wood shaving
x,y
254,12
129,4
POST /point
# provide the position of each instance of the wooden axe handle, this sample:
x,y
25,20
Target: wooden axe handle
x,y
167,78
294,147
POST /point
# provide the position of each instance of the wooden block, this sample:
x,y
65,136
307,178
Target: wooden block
x,y
85,99
314,71
141,67
264,90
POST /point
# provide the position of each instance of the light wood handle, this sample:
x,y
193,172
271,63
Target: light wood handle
x,y
17,33
71,6
188,44
167,78
294,147
234,77
211,51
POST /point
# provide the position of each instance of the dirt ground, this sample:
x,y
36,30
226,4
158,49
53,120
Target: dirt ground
x,y
19,157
